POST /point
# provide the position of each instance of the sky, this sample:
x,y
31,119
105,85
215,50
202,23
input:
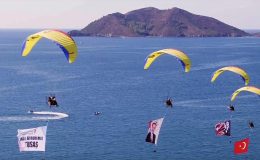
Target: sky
x,y
77,14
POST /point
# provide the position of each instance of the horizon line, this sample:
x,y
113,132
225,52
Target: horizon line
x,y
43,28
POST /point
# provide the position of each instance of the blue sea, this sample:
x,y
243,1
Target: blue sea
x,y
108,77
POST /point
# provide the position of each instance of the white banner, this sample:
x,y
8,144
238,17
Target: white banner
x,y
32,139
154,130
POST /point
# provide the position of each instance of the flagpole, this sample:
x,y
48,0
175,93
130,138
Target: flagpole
x,y
230,117
249,136
251,131
165,114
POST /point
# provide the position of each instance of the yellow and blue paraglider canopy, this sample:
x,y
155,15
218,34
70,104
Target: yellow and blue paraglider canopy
x,y
182,57
63,40
234,69
248,89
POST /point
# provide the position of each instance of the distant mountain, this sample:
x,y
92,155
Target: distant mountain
x,y
256,34
252,31
173,22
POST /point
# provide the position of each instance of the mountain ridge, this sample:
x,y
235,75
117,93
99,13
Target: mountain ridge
x,y
151,21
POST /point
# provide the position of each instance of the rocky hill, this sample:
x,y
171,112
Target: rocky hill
x,y
173,22
256,34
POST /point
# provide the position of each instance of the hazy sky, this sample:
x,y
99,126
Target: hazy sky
x,y
76,14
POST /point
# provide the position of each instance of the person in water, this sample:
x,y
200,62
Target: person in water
x,y
169,102
151,136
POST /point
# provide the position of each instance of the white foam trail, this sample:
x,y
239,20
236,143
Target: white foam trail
x,y
46,116
26,118
57,114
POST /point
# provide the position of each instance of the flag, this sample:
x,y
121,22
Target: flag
x,y
241,147
223,128
32,139
154,130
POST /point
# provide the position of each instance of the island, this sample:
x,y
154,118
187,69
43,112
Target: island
x,y
153,22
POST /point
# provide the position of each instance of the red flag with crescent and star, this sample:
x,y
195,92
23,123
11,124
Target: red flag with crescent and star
x,y
241,147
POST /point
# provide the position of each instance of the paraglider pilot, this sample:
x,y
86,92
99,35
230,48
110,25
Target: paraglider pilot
x,y
52,101
251,124
231,107
169,102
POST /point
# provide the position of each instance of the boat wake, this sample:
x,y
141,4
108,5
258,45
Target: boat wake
x,y
34,116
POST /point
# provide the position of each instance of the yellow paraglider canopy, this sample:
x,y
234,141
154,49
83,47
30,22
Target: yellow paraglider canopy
x,y
247,88
182,57
234,69
63,40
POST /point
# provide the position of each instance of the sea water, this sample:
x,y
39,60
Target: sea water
x,y
108,77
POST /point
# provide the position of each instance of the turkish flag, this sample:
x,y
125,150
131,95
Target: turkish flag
x,y
241,147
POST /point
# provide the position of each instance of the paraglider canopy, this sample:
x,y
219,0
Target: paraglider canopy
x,y
234,69
62,39
182,57
251,89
